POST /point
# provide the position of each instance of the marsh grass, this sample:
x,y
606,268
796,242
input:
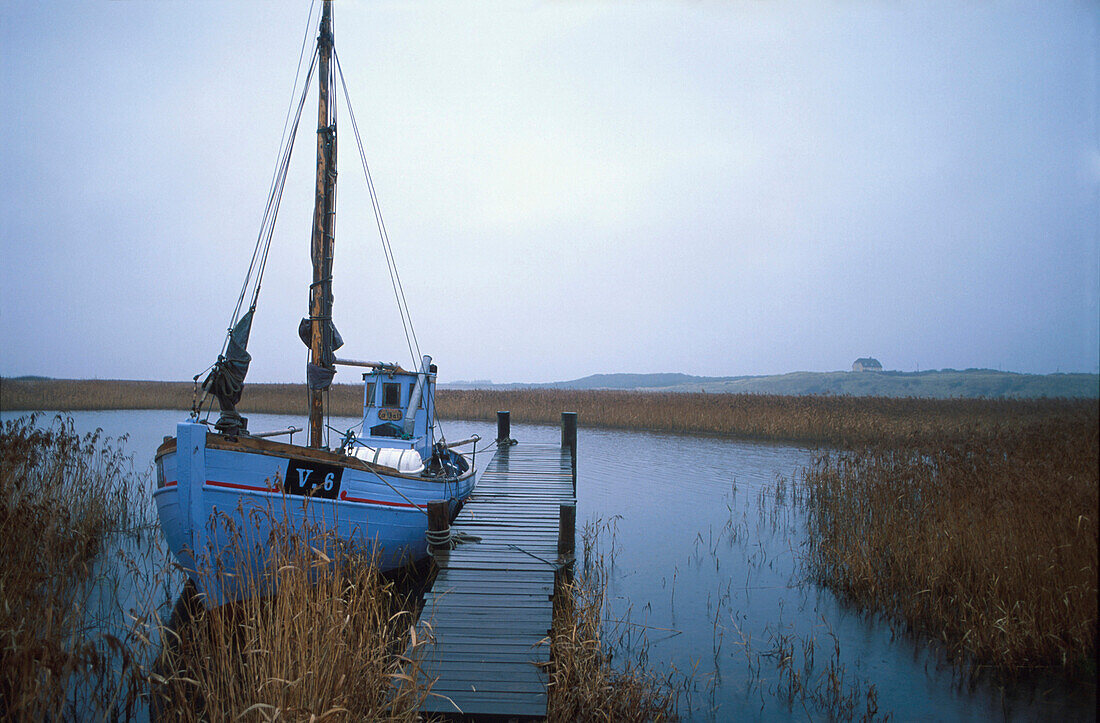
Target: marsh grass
x,y
989,547
832,420
600,659
62,497
95,394
329,640
795,662
802,684
586,684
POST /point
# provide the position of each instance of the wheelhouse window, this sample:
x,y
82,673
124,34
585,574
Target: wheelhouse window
x,y
391,394
370,394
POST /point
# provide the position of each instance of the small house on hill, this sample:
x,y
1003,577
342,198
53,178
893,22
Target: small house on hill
x,y
866,364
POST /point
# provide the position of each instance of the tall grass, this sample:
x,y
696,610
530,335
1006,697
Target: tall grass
x,y
840,421
61,496
92,394
988,546
808,419
324,644
584,684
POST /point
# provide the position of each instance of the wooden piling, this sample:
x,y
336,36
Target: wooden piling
x,y
504,426
567,543
569,440
437,523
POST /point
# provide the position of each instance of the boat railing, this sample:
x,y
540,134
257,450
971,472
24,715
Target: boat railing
x,y
472,461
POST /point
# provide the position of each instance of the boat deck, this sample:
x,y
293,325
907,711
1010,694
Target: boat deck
x,y
490,607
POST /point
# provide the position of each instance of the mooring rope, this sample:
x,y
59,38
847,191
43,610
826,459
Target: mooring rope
x,y
449,538
555,565
501,443
439,538
386,482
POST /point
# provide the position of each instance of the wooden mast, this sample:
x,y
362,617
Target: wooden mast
x,y
324,216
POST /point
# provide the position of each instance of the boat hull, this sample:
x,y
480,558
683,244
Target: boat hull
x,y
225,504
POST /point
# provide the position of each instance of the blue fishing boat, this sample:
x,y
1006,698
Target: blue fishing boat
x,y
225,494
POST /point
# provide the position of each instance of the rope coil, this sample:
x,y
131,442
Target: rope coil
x,y
439,538
457,538
447,538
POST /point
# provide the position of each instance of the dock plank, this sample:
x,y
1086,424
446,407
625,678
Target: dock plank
x,y
489,611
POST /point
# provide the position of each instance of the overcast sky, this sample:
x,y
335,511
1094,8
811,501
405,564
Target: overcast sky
x,y
716,188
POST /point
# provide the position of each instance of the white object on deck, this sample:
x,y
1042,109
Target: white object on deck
x,y
405,461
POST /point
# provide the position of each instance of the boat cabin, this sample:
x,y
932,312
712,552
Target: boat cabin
x,y
398,408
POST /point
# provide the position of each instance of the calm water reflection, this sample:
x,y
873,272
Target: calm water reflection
x,y
705,547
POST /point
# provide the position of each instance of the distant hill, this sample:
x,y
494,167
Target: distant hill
x,y
637,381
598,381
941,383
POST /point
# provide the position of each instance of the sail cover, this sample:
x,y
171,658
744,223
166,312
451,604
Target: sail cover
x,y
226,379
320,377
331,340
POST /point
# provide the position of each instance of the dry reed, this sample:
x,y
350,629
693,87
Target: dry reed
x,y
808,419
325,644
61,495
839,421
584,685
92,394
989,546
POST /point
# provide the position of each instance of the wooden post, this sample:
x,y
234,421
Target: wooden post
x,y
567,545
569,440
504,426
437,523
567,533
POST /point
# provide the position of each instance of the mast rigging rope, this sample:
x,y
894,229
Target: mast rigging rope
x,y
278,180
258,262
395,277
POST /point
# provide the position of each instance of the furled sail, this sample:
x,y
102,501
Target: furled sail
x,y
226,379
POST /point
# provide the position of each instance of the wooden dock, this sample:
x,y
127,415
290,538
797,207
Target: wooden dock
x,y
490,607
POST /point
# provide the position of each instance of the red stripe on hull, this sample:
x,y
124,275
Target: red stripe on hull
x,y
250,488
345,498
